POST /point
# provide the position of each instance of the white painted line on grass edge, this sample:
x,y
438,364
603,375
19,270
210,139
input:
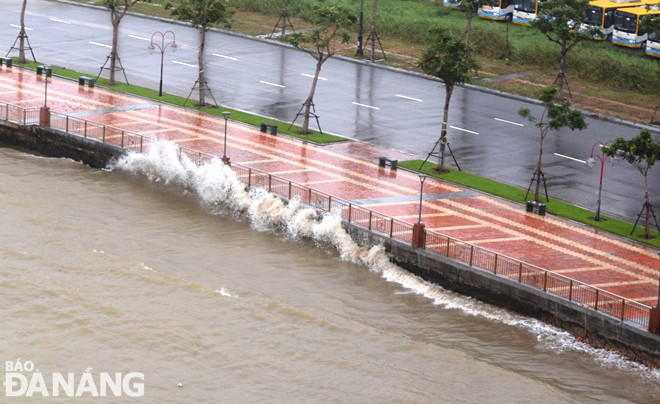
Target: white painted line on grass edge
x,y
570,158
512,123
185,64
271,84
408,98
365,105
62,21
464,130
139,37
312,76
223,56
100,44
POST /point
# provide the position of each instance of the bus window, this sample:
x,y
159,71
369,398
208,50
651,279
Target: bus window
x,y
609,17
625,22
526,6
505,3
594,16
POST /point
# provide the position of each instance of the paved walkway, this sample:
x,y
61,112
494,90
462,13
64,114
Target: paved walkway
x,y
350,171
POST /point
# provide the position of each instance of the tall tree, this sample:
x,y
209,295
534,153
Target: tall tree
x,y
560,21
21,35
448,59
556,115
118,9
642,152
333,22
201,14
471,7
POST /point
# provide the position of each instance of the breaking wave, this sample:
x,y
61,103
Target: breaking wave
x,y
218,188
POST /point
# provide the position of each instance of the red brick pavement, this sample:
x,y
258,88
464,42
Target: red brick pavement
x,y
349,170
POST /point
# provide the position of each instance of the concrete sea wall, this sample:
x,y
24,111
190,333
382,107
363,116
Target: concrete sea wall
x,y
598,328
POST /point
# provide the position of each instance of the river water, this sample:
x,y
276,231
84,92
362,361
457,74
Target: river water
x,y
216,295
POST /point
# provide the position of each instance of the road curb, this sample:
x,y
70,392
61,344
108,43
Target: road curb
x,y
473,87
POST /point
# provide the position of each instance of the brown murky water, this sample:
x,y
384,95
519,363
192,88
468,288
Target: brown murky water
x,y
114,272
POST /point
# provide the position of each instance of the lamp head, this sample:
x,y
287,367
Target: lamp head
x,y
591,162
173,46
226,114
423,177
151,48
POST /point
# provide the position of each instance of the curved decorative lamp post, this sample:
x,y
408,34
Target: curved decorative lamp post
x,y
225,159
162,47
591,162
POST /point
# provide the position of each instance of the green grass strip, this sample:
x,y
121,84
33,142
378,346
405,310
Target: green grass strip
x,y
239,116
554,206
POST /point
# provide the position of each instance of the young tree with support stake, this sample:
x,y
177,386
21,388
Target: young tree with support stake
x,y
333,21
642,152
201,14
448,59
471,7
118,9
560,21
556,115
22,35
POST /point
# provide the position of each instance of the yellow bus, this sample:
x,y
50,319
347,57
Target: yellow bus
x,y
525,11
501,10
601,14
626,27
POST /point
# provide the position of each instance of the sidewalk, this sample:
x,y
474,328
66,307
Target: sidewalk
x,y
350,171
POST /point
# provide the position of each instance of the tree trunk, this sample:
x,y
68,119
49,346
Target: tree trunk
x,y
537,173
443,134
284,19
113,52
200,63
308,103
561,78
373,32
21,46
647,206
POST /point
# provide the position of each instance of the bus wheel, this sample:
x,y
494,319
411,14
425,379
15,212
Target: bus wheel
x,y
508,18
643,47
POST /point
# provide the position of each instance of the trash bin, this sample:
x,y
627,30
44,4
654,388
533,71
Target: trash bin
x,y
273,129
264,127
541,209
530,206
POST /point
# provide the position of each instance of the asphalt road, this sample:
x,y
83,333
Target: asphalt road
x,y
381,106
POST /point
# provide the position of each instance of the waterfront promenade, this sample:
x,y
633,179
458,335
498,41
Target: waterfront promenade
x,y
349,170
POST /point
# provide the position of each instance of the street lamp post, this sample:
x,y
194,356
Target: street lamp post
x,y
360,51
591,162
658,304
225,159
162,47
422,178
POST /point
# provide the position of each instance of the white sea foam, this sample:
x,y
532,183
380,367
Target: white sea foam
x,y
217,187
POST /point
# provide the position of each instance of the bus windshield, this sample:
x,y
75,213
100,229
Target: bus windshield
x,y
594,16
625,22
526,6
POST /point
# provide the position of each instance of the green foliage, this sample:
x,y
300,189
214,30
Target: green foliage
x,y
332,20
444,59
514,194
202,13
559,114
641,151
560,20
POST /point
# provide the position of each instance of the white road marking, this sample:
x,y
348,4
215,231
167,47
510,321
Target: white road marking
x,y
139,37
271,84
62,21
185,64
512,123
365,105
571,158
464,130
100,44
408,98
223,56
312,76
18,26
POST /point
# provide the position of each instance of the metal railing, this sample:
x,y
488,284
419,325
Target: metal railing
x,y
477,257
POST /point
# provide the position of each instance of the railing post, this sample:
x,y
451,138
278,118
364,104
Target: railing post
x,y
122,139
520,272
596,303
66,124
391,227
448,240
471,253
7,113
370,212
289,190
309,196
24,116
495,266
350,211
329,202
249,177
570,290
103,133
545,281
141,142
623,309
85,135
270,179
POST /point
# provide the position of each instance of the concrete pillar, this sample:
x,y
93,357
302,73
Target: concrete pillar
x,y
44,117
419,236
654,321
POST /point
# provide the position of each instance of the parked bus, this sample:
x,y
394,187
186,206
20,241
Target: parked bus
x,y
501,10
525,11
601,14
653,45
451,4
626,27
